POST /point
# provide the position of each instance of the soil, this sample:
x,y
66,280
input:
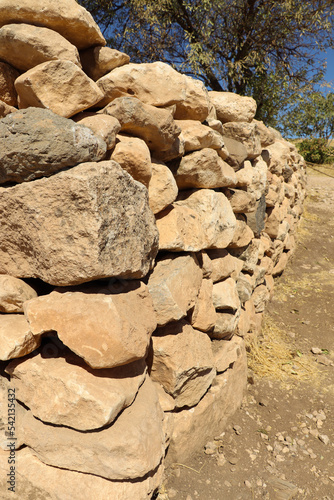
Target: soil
x,y
280,444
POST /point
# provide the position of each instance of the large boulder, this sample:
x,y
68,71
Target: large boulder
x,y
204,169
64,391
106,329
97,61
66,17
174,286
197,136
57,85
25,46
131,448
180,229
232,107
155,83
86,223
37,142
196,104
42,481
216,216
183,363
155,126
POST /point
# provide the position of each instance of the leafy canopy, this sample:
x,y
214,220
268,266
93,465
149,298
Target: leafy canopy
x,y
268,49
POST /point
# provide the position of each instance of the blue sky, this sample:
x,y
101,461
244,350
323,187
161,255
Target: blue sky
x,y
330,65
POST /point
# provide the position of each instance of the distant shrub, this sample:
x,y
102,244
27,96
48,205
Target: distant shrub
x,y
316,150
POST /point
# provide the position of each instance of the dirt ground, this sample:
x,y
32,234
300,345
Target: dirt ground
x,y
280,444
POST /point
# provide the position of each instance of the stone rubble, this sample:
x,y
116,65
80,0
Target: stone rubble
x,y
161,218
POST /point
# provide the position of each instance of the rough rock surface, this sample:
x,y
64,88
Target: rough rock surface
x,y
97,61
204,169
174,285
64,391
216,216
8,76
197,136
180,229
144,81
66,17
133,156
204,314
25,46
37,142
162,189
89,222
16,338
13,292
103,125
130,448
155,126
232,107
183,363
41,481
196,104
105,329
57,85
215,408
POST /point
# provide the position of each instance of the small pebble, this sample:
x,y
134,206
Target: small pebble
x,y
323,438
248,484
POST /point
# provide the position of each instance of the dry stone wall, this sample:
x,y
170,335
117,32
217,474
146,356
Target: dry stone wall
x,y
142,222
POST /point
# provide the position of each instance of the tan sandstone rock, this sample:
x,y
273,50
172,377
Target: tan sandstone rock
x,y
248,134
39,480
66,17
105,329
204,314
204,169
243,235
144,81
155,126
130,448
64,391
197,136
8,75
241,201
25,46
103,125
5,109
16,338
26,136
232,107
183,363
196,104
227,352
215,408
180,229
225,295
162,188
97,61
174,285
216,216
109,230
237,152
13,292
57,85
133,156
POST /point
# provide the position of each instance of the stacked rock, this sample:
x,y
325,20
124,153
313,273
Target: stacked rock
x,y
142,220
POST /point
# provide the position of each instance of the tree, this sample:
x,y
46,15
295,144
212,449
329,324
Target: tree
x,y
312,116
268,49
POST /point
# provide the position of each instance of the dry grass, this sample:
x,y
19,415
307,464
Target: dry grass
x,y
274,356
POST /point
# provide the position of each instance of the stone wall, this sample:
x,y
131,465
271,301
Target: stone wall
x,y
142,222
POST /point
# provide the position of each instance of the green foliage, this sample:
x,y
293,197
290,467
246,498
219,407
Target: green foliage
x,y
312,115
316,150
264,48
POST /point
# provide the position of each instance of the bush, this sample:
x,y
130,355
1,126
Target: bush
x,y
316,150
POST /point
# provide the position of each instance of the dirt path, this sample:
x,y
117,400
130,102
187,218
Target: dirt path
x,y
280,444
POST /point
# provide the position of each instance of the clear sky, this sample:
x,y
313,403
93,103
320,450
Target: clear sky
x,y
330,66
